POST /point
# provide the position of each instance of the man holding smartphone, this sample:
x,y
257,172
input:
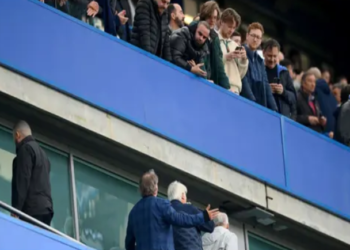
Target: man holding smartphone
x,y
234,56
281,83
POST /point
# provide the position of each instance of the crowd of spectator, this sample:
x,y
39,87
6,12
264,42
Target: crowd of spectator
x,y
211,48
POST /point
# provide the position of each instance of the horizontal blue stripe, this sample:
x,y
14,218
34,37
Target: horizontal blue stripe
x,y
114,76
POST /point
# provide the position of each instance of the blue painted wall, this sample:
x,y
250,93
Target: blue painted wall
x,y
15,235
115,76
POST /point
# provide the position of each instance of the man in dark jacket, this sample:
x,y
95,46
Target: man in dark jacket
x,y
308,110
186,238
89,11
151,219
151,31
31,188
255,85
327,101
189,46
122,12
280,81
342,117
210,12
342,131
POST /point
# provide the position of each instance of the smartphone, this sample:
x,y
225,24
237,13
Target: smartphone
x,y
276,80
238,48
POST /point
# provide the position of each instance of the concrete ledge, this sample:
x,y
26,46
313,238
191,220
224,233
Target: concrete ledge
x,y
133,137
308,215
180,158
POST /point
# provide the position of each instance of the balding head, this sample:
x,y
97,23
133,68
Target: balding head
x,y
149,184
21,130
176,16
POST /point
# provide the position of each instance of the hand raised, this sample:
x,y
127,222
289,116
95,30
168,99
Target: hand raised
x,y
213,213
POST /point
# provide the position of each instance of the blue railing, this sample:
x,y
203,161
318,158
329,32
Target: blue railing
x,y
88,64
16,234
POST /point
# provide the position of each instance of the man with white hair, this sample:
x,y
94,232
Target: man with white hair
x,y
31,188
151,220
326,100
186,238
221,238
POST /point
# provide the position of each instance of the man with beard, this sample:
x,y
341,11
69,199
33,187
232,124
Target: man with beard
x,y
210,12
189,49
176,17
281,83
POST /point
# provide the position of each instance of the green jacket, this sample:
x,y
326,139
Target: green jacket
x,y
214,59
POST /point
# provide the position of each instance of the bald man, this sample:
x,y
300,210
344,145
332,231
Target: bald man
x,y
31,188
176,17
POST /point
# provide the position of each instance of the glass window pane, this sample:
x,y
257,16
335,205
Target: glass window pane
x,y
104,202
258,243
7,153
60,191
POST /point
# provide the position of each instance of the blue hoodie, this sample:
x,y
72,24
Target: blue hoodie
x,y
327,102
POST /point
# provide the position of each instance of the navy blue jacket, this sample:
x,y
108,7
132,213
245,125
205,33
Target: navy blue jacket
x,y
255,85
327,102
150,224
189,238
287,101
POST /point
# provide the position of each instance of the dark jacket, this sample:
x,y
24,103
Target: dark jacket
x,y
287,102
189,238
327,102
255,85
123,31
342,127
77,9
214,58
150,224
150,29
183,49
31,188
304,111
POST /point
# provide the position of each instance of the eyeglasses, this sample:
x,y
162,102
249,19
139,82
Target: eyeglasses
x,y
255,36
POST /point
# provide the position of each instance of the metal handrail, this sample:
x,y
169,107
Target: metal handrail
x,y
35,221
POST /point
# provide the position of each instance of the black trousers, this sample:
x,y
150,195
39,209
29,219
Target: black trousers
x,y
44,218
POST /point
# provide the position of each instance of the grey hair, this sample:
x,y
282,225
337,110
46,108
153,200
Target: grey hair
x,y
23,128
148,183
221,219
175,190
316,72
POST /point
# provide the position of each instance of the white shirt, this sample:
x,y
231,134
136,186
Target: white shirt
x,y
220,239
